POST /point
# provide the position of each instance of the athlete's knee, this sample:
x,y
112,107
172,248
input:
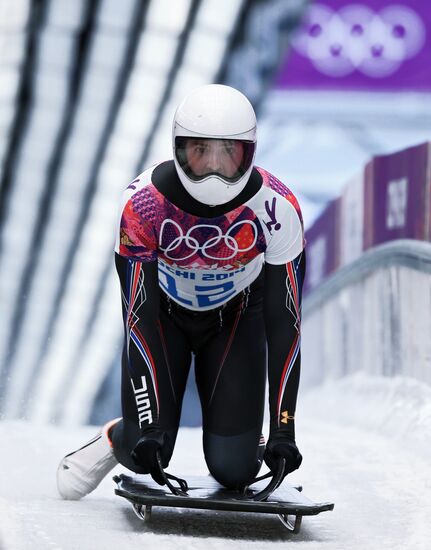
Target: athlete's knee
x,y
233,460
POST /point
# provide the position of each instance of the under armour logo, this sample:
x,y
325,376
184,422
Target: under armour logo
x,y
285,417
270,210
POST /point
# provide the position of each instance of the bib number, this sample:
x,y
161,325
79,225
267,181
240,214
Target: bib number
x,y
204,295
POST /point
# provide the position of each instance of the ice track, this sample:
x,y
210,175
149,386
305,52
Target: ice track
x,y
366,446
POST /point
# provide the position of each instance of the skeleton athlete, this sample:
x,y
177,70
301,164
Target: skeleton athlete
x,y
210,257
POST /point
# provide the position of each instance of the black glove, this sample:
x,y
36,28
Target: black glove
x,y
281,446
144,454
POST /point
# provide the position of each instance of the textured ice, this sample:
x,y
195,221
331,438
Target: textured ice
x,y
399,407
365,443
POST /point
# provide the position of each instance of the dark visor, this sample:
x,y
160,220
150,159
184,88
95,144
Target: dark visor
x,y
228,159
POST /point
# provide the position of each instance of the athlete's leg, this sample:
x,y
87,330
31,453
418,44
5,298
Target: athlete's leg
x,y
231,374
172,369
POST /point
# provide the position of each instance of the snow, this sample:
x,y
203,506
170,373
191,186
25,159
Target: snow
x,y
366,447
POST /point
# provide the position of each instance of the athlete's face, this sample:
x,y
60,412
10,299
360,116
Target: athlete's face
x,y
214,155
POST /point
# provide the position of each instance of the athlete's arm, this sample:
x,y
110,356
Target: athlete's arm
x,y
283,289
142,344
142,360
136,263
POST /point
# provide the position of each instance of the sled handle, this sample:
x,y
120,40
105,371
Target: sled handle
x,y
275,482
183,487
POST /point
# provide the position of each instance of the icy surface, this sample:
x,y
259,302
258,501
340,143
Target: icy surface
x,y
365,444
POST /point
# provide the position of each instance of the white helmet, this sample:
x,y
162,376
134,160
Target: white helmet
x,y
214,143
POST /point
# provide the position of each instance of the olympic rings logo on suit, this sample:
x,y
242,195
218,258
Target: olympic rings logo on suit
x,y
357,38
193,244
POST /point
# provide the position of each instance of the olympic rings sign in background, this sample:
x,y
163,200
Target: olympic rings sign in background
x,y
357,38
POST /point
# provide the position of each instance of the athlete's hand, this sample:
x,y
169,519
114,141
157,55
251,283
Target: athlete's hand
x,y
281,446
144,454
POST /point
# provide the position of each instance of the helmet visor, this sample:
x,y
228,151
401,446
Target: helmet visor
x,y
228,159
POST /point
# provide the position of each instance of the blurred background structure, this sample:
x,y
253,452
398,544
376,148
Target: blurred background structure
x,y
88,89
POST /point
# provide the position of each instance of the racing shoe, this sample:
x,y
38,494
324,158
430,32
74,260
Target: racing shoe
x,y
81,471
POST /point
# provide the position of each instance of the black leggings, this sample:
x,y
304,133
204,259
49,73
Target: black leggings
x,y
230,364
